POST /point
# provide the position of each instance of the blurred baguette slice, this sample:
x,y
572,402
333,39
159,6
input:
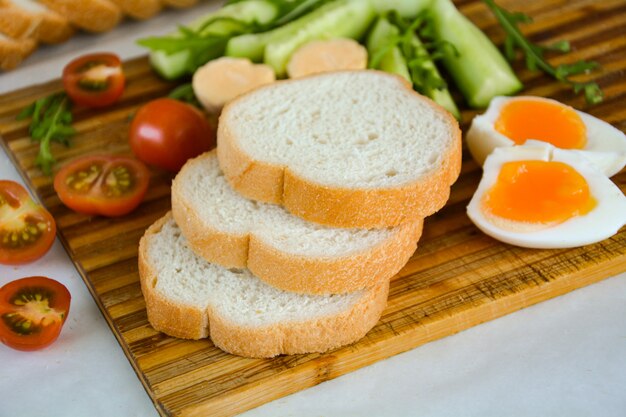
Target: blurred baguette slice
x,y
13,51
139,9
89,15
18,23
179,3
28,18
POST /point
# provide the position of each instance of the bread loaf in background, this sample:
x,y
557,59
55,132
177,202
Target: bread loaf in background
x,y
26,23
139,9
88,15
29,18
180,3
14,51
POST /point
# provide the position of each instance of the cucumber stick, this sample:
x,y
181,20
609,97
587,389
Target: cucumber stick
x,y
407,9
394,61
379,38
251,46
479,70
441,95
177,64
337,19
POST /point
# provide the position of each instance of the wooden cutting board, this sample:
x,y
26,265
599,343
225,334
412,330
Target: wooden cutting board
x,y
457,278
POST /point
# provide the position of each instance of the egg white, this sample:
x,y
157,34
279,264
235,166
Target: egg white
x,y
602,222
605,147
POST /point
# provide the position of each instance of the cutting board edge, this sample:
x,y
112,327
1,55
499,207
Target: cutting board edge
x,y
403,342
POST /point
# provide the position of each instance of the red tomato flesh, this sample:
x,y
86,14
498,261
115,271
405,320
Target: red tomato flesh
x,y
94,80
27,230
32,312
105,185
167,132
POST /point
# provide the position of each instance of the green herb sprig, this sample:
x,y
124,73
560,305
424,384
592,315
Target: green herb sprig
x,y
419,56
202,45
185,93
533,54
51,122
209,40
288,10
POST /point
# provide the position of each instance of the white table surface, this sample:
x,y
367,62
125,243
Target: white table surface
x,y
563,357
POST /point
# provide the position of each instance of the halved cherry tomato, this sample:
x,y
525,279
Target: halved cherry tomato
x,y
94,80
27,230
32,312
106,185
167,132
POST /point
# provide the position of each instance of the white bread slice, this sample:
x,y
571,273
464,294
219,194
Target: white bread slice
x,y
14,51
188,297
283,250
89,15
139,9
344,149
19,16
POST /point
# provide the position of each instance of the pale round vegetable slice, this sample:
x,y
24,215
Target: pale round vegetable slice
x,y
327,55
223,79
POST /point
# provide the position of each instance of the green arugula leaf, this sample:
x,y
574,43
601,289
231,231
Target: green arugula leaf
x,y
419,56
533,54
51,122
26,112
185,94
291,10
559,46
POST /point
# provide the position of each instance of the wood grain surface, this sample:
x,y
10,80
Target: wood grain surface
x,y
458,277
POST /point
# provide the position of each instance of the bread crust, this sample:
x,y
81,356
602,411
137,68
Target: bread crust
x,y
14,51
90,15
290,272
333,275
339,206
316,335
175,319
18,23
226,249
256,180
179,4
139,9
46,26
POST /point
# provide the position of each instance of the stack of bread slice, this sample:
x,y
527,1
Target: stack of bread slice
x,y
285,238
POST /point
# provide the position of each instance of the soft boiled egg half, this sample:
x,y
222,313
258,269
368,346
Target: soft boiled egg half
x,y
512,121
539,196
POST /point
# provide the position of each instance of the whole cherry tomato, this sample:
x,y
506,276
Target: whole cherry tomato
x,y
94,80
32,312
167,132
27,230
99,184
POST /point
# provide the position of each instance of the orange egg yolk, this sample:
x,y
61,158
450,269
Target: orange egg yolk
x,y
554,123
539,192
